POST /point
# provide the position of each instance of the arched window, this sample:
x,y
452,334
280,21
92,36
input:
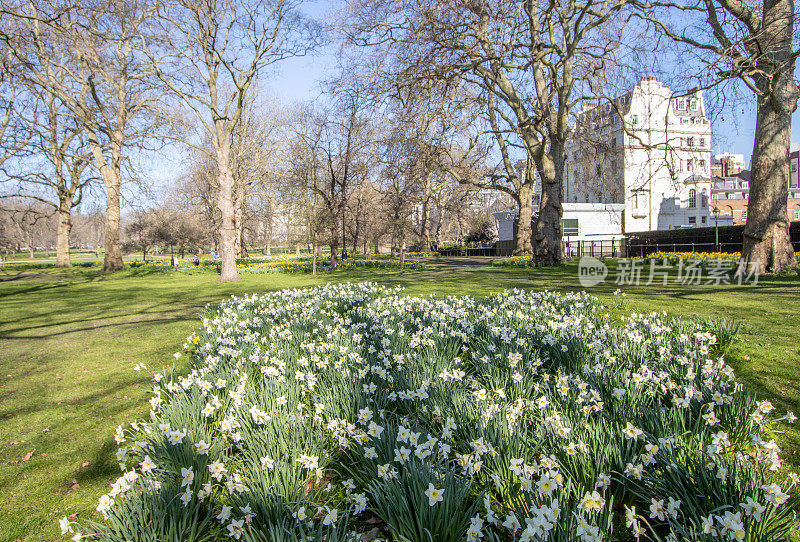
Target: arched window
x,y
692,199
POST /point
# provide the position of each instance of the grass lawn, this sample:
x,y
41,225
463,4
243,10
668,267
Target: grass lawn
x,y
69,341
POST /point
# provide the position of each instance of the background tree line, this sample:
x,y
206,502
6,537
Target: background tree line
x,y
432,104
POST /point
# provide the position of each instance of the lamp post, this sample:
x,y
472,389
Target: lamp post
x,y
716,227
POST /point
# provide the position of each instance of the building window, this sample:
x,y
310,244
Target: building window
x,y
744,213
690,142
703,199
794,166
797,214
702,142
689,165
692,199
692,220
634,119
694,104
702,165
570,226
681,104
703,219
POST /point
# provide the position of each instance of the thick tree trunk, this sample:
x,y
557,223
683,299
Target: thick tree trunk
x,y
62,235
113,257
335,253
334,244
314,259
766,244
424,230
424,221
227,229
522,241
547,235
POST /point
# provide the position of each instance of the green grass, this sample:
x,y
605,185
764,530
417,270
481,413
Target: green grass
x,y
69,341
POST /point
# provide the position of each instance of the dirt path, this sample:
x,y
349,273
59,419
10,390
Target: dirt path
x,y
465,262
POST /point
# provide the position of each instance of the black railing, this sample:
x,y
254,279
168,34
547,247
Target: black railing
x,y
610,248
462,252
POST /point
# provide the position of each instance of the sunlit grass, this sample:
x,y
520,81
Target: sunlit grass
x,y
71,339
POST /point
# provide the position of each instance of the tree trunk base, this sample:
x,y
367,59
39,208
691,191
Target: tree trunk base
x,y
547,260
112,265
229,278
773,252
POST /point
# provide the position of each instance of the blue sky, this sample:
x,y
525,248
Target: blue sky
x,y
298,79
733,128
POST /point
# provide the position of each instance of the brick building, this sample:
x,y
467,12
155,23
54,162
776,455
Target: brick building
x,y
730,192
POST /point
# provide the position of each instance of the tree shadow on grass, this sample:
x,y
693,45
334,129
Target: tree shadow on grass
x,y
102,465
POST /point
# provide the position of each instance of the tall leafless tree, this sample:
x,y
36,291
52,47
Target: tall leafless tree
x,y
756,43
88,55
214,52
529,58
55,168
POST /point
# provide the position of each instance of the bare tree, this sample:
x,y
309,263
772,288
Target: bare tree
x,y
14,134
752,42
305,182
89,57
214,54
28,224
55,168
143,231
528,58
254,162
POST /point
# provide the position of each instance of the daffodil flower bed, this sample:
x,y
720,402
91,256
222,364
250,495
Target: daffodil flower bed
x,y
325,266
347,411
514,261
703,257
285,264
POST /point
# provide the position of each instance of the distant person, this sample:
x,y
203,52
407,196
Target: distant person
x,y
174,261
196,260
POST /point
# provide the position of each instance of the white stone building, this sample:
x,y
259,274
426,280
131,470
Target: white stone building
x,y
581,222
649,151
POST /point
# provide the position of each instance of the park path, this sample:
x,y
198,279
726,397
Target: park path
x,y
459,262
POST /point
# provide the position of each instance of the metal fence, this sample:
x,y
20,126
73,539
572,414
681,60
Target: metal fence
x,y
611,248
460,252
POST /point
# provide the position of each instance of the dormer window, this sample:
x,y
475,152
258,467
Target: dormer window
x,y
694,104
681,104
